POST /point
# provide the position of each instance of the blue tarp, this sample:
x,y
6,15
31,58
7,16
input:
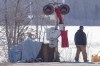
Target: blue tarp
x,y
15,53
25,51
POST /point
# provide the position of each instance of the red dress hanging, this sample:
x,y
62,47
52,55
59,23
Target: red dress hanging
x,y
64,36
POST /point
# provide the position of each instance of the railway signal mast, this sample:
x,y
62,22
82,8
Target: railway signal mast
x,y
58,9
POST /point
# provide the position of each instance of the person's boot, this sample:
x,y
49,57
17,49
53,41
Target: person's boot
x,y
77,61
86,61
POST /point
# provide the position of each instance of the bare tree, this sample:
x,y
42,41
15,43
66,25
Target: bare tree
x,y
14,19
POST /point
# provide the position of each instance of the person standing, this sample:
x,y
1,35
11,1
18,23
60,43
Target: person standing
x,y
80,42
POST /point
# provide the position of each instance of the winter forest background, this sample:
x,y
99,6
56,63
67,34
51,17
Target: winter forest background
x,y
17,17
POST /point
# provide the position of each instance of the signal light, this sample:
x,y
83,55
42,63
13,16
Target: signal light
x,y
64,9
48,9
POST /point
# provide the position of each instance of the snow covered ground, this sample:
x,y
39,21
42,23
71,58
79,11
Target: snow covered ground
x,y
68,54
93,43
51,64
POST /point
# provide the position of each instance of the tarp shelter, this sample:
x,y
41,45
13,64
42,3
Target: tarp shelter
x,y
28,50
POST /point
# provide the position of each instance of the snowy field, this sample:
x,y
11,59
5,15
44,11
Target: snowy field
x,y
93,43
68,54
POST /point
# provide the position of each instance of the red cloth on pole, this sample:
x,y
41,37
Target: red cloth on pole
x,y
58,14
64,36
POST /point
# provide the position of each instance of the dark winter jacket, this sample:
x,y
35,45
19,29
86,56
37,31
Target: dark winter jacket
x,y
80,38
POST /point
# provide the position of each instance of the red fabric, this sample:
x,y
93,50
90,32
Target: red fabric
x,y
64,37
58,14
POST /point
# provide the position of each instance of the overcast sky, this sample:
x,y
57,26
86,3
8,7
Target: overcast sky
x,y
82,12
